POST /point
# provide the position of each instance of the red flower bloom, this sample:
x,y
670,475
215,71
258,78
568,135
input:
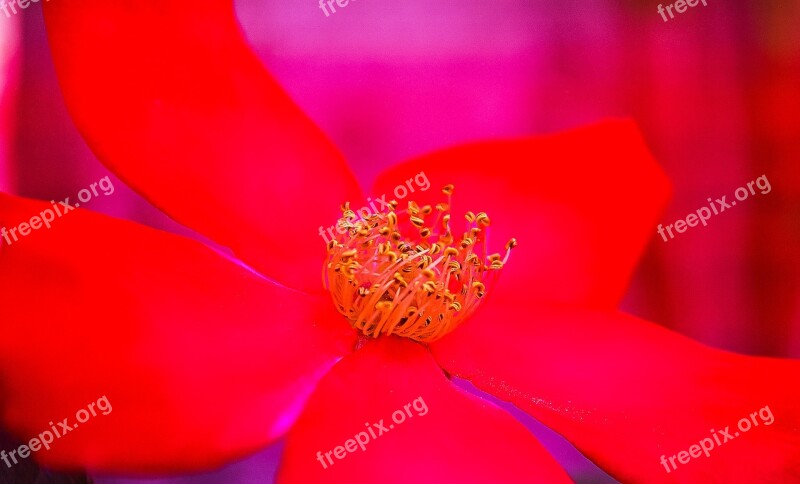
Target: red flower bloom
x,y
205,359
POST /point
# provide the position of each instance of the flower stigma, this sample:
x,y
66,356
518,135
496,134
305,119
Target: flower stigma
x,y
420,286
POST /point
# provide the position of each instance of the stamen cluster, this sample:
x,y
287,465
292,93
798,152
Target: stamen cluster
x,y
419,287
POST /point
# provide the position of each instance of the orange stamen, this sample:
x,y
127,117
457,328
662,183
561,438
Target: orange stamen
x,y
420,287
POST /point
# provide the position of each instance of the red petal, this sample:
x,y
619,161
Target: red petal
x,y
626,392
582,205
445,434
170,97
200,359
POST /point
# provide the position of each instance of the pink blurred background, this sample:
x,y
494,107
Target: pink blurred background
x,y
716,92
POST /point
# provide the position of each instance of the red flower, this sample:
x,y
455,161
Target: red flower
x,y
205,359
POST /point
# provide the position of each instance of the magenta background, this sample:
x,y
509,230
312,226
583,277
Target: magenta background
x,y
716,92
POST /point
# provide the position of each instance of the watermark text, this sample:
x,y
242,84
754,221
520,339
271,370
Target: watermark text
x,y
47,437
703,214
706,445
420,180
48,215
361,439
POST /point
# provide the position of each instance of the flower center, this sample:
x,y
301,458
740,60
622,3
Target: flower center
x,y
420,287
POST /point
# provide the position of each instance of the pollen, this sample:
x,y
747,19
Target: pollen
x,y
404,272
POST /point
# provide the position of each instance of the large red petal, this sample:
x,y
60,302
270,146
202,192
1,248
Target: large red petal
x,y
169,96
444,434
627,391
582,205
201,359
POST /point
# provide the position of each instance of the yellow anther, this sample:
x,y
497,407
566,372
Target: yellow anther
x,y
425,261
399,279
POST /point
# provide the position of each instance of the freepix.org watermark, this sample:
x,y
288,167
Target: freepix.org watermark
x,y
361,439
10,8
705,446
703,214
340,3
48,216
680,6
47,437
400,192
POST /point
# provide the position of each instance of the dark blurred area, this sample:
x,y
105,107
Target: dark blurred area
x,y
26,471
